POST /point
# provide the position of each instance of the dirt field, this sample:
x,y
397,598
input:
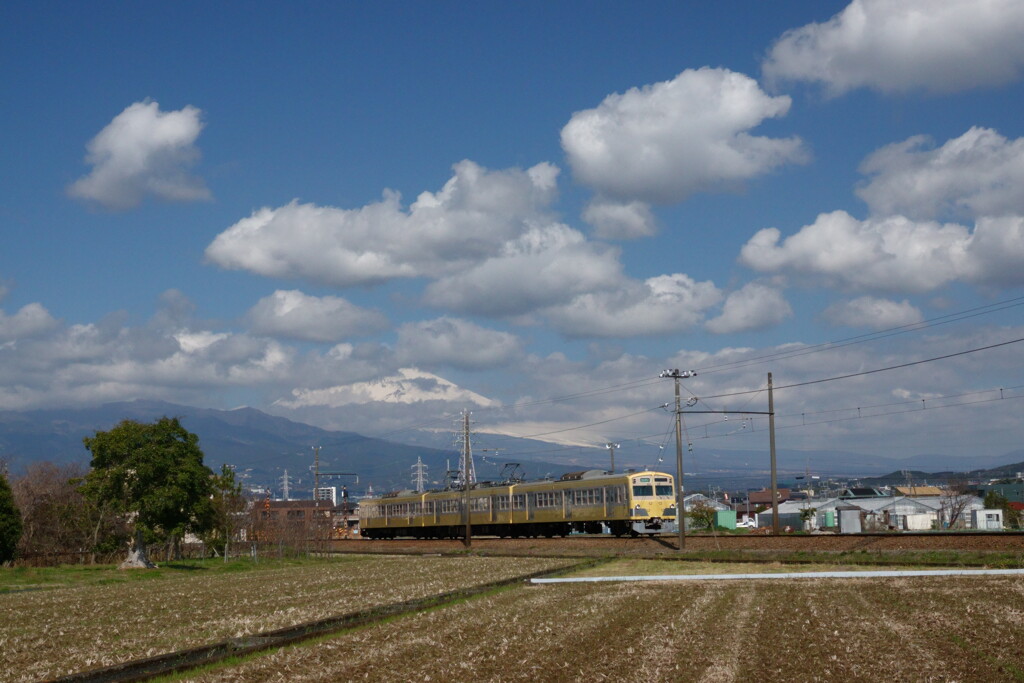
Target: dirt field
x,y
57,631
591,545
929,629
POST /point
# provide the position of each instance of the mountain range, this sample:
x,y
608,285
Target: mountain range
x,y
262,447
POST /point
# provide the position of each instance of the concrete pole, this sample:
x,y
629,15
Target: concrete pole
x,y
468,539
771,449
680,506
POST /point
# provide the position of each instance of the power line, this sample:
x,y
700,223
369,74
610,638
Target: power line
x,y
862,416
871,336
592,424
871,372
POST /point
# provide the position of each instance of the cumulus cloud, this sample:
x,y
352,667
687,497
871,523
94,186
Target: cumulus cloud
x,y
545,266
893,254
170,357
873,313
296,315
31,320
664,142
143,152
979,173
455,343
890,46
469,219
620,220
755,306
659,305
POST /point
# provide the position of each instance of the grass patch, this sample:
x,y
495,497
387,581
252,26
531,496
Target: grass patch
x,y
644,567
66,576
911,559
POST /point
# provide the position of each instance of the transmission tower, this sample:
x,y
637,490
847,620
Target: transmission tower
x,y
463,443
285,483
419,475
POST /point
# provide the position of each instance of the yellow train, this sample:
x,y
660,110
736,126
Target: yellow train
x,y
628,503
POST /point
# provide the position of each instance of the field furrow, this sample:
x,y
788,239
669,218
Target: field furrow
x,y
53,632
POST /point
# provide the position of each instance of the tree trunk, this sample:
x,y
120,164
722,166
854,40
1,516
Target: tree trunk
x,y
137,557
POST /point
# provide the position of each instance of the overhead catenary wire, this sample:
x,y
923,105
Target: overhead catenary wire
x,y
871,372
864,338
782,355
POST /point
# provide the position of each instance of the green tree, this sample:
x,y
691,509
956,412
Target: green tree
x,y
154,475
702,515
997,501
10,522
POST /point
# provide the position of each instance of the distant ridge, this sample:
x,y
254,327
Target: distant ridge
x,y
256,443
261,446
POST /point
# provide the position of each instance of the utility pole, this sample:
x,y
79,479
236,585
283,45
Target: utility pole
x,y
680,506
316,476
611,449
467,459
771,448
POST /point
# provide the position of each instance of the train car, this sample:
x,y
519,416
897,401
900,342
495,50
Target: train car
x,y
632,503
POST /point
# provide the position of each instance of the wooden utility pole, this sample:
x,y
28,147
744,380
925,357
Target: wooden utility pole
x,y
771,449
466,468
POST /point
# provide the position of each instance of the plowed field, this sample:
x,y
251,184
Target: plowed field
x,y
603,545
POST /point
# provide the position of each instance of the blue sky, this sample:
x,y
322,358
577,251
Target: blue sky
x,y
370,216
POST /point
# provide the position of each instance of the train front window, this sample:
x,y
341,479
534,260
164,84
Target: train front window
x,y
662,490
641,491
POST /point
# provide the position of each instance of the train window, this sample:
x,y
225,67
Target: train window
x,y
519,501
662,490
616,494
549,499
643,490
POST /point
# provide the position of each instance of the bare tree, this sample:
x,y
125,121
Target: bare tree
x,y
59,522
955,500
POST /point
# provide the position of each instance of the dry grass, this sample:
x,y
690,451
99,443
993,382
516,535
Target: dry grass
x,y
920,629
638,567
53,632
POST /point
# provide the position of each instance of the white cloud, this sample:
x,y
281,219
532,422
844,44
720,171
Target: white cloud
x,y
296,315
995,252
620,220
755,306
545,266
893,254
191,342
659,305
979,173
664,142
469,220
455,343
31,320
895,46
143,152
873,313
